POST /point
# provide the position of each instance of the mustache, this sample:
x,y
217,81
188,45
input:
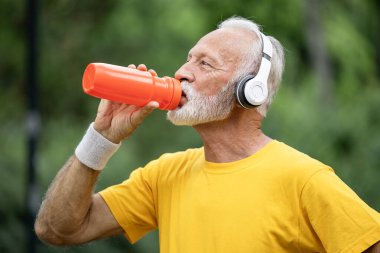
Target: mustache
x,y
185,84
228,89
187,89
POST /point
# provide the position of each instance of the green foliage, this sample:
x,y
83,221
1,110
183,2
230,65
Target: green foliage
x,y
72,34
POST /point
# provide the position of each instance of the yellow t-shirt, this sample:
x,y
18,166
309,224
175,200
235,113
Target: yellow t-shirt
x,y
277,200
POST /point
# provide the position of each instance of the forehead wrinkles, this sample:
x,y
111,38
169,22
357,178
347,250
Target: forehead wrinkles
x,y
228,44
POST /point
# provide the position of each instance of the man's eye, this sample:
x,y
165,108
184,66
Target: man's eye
x,y
204,63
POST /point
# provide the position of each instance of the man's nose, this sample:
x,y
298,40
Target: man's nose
x,y
185,73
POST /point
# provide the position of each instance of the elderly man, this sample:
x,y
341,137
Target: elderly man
x,y
241,192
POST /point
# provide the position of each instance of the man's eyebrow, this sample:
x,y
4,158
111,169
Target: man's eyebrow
x,y
207,56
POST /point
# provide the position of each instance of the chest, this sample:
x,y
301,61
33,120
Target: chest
x,y
242,207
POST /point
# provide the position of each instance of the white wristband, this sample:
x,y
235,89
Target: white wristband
x,y
95,150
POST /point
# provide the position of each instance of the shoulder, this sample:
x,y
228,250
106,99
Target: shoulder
x,y
292,166
290,158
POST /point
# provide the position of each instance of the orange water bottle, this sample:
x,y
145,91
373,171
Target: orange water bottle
x,y
130,86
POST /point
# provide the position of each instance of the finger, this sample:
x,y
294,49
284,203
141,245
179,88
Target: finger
x,y
103,105
152,72
102,116
132,66
138,116
104,101
153,104
142,67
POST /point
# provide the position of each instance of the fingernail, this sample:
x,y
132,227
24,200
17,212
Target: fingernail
x,y
154,104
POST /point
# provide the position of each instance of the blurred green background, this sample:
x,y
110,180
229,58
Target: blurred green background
x,y
328,105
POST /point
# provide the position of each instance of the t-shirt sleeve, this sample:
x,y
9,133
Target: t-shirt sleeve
x,y
340,219
132,204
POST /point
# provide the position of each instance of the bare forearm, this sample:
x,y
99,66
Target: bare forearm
x,y
374,249
71,213
65,210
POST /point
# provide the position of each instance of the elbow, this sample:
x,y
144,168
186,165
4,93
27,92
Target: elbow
x,y
47,235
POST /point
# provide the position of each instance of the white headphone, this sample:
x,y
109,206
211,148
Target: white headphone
x,y
252,91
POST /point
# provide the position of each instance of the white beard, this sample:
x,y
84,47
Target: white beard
x,y
201,109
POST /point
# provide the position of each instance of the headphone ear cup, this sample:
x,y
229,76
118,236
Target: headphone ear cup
x,y
240,93
252,91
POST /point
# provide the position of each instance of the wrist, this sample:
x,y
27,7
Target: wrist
x,y
106,133
95,149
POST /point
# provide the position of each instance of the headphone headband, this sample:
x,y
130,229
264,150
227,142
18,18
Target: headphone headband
x,y
267,46
266,58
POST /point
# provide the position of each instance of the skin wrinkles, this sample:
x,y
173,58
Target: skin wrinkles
x,y
219,129
220,136
218,47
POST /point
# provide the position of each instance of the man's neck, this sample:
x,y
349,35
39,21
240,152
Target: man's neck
x,y
232,139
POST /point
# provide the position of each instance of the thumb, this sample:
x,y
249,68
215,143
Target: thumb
x,y
138,116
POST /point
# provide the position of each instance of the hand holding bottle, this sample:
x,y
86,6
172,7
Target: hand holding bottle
x,y
116,121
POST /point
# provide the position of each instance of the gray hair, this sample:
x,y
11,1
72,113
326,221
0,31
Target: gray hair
x,y
251,62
